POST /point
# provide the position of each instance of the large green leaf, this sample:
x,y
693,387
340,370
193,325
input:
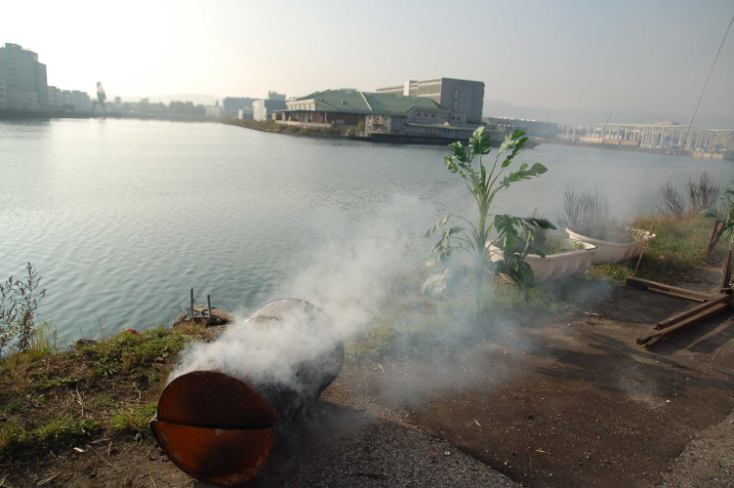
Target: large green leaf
x,y
510,141
524,174
479,141
450,164
460,153
520,144
540,223
443,248
438,225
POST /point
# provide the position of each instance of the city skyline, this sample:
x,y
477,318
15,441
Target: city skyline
x,y
566,56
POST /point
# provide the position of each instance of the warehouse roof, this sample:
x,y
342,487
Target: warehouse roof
x,y
348,100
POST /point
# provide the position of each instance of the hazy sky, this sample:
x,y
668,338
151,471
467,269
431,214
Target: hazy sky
x,y
649,55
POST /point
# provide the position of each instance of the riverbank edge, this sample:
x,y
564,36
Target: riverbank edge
x,y
633,149
15,115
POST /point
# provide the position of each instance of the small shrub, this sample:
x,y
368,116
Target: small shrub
x,y
19,310
133,421
589,214
703,193
673,202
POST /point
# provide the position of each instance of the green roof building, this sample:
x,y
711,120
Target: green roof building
x,y
385,115
349,106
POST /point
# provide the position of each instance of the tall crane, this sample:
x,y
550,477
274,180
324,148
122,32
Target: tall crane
x,y
101,97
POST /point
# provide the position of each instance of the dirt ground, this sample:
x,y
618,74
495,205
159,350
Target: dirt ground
x,y
567,403
333,447
574,403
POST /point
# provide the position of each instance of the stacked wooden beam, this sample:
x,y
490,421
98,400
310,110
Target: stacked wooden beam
x,y
710,305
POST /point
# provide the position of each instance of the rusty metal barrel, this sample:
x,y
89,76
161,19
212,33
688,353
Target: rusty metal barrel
x,y
222,428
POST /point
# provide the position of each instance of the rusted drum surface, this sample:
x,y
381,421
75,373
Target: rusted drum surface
x,y
222,430
215,428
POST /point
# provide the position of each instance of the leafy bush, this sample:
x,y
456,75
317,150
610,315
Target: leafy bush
x,y
19,310
484,186
724,218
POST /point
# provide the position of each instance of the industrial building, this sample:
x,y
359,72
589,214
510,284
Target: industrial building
x,y
3,99
533,128
214,110
70,100
25,78
54,98
231,106
661,135
460,96
265,108
382,113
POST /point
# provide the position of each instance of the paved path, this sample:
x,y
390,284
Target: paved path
x,y
343,447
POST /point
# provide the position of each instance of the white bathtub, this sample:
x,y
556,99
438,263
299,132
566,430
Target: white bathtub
x,y
614,252
555,266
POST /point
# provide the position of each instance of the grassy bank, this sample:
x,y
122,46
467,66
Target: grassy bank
x,y
53,398
678,249
271,126
101,389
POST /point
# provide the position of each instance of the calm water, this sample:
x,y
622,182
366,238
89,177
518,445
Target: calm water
x,y
122,217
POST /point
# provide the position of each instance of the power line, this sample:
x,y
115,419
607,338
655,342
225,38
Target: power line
x,y
680,149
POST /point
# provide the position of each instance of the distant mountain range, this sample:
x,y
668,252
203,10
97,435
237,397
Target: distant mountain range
x,y
497,108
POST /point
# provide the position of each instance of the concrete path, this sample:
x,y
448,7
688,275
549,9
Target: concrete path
x,y
344,447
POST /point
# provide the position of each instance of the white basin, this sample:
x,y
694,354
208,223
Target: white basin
x,y
615,252
554,266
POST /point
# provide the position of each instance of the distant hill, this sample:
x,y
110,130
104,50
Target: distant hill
x,y
497,108
195,98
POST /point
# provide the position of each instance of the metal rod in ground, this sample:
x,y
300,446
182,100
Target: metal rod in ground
x,y
209,302
192,303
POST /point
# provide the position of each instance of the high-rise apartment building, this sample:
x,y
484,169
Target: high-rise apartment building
x,y
25,79
3,98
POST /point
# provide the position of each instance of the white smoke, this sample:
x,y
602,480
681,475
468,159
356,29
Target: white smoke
x,y
348,279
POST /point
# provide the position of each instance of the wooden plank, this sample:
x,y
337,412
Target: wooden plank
x,y
693,296
683,325
215,312
670,321
726,270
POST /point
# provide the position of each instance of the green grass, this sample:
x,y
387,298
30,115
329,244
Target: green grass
x,y
678,249
13,408
63,431
133,421
64,381
425,325
129,350
614,272
271,126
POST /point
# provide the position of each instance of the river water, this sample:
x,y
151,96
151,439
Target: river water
x,y
123,217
